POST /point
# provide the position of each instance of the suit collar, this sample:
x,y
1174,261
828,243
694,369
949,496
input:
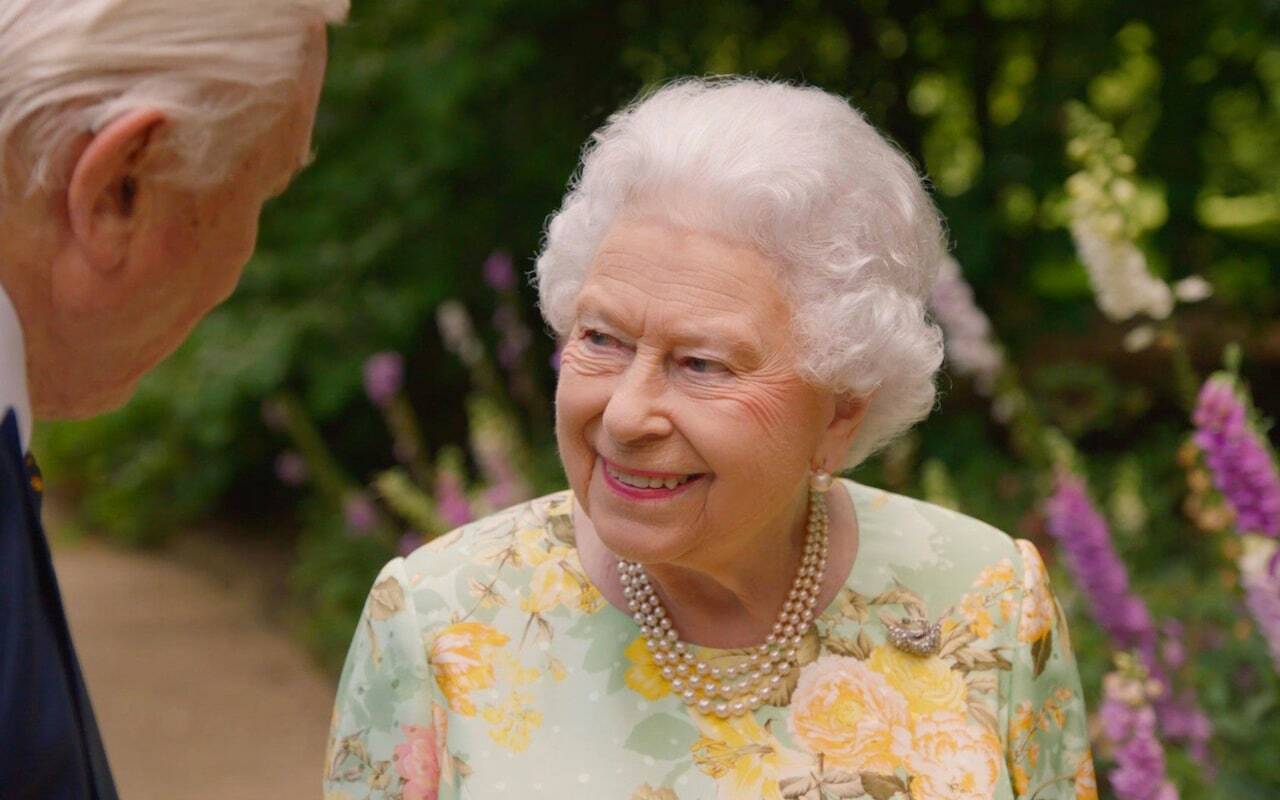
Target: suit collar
x,y
13,370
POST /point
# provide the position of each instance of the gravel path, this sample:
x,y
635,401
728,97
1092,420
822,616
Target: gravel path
x,y
198,695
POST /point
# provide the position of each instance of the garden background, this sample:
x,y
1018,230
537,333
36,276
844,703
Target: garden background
x,y
1110,174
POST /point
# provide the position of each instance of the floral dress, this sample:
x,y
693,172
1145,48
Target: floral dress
x,y
487,665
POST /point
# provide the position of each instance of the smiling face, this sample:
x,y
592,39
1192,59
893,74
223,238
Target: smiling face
x,y
685,429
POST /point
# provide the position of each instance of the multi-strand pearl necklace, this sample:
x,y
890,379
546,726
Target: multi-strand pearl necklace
x,y
734,690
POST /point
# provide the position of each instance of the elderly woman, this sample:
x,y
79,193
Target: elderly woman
x,y
739,277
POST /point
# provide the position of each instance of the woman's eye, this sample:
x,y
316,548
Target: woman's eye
x,y
704,366
598,339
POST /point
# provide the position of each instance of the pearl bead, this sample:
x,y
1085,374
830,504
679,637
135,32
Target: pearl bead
x,y
698,683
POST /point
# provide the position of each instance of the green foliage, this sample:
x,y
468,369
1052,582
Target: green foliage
x,y
449,128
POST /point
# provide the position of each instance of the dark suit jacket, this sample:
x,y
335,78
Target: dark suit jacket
x,y
49,743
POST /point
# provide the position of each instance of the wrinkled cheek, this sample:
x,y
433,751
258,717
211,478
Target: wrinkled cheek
x,y
580,403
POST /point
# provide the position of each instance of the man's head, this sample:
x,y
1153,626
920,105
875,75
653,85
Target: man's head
x,y
139,140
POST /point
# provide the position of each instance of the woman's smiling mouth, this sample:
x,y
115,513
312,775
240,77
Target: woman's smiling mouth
x,y
646,484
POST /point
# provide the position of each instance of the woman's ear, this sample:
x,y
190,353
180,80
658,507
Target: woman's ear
x,y
103,193
850,410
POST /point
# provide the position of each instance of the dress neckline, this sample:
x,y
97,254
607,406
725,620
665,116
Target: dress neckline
x,y
566,534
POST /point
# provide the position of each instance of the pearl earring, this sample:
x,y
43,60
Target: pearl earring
x,y
820,480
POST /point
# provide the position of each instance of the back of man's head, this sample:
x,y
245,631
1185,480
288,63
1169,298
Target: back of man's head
x,y
68,67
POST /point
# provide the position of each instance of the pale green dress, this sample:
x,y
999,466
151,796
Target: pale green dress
x,y
486,665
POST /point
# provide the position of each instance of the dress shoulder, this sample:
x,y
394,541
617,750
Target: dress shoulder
x,y
922,543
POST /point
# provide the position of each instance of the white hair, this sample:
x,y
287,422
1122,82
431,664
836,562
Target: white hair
x,y
68,67
801,176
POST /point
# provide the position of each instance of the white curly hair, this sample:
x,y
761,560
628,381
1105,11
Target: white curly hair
x,y
800,175
69,67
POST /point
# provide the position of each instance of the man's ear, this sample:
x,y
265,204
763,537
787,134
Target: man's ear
x,y
105,180
850,409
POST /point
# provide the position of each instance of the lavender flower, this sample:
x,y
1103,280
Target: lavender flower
x,y
360,513
291,468
1260,577
1237,456
1129,722
383,377
970,346
499,272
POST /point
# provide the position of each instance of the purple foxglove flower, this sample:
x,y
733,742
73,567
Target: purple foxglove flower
x,y
291,468
1262,590
409,542
360,513
451,501
499,272
971,349
1096,567
1088,552
1237,456
515,339
383,377
1129,722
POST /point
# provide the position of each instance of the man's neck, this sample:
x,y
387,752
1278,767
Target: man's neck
x,y
13,369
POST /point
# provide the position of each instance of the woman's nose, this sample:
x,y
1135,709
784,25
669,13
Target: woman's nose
x,y
635,411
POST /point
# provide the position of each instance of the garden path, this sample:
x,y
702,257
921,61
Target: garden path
x,y
200,695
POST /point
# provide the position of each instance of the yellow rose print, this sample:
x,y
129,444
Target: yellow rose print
x,y
643,675
849,713
949,759
1038,612
744,757
928,684
462,660
513,722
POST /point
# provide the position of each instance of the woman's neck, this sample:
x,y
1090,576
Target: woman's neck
x,y
732,599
